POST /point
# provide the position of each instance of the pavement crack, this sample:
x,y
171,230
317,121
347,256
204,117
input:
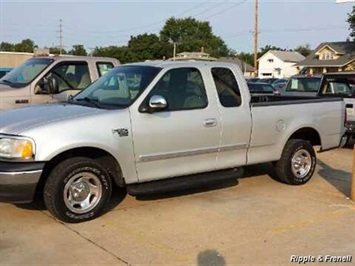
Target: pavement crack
x,y
87,239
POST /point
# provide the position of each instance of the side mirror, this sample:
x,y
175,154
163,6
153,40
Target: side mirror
x,y
53,85
157,102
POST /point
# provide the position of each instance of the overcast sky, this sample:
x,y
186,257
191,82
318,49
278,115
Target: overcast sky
x,y
283,23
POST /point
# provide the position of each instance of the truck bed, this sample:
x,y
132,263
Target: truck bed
x,y
268,100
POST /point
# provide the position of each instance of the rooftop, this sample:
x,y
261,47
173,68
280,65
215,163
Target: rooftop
x,y
346,50
286,56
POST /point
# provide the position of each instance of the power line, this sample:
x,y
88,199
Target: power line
x,y
226,9
285,30
304,29
208,9
151,24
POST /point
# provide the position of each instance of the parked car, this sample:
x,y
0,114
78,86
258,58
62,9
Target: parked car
x,y
251,80
302,86
268,80
4,71
51,78
278,85
260,88
279,82
181,125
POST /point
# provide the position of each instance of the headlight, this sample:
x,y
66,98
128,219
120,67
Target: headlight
x,y
16,148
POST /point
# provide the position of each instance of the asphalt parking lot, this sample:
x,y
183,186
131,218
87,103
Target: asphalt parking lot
x,y
251,222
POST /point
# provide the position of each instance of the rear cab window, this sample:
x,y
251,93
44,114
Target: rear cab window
x,y
227,87
303,84
104,67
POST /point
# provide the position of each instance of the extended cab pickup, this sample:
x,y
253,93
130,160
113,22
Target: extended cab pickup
x,y
50,78
158,126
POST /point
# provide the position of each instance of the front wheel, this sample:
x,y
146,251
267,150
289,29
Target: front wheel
x,y
297,163
77,190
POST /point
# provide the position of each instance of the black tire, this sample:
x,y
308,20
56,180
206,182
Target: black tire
x,y
77,190
347,142
297,163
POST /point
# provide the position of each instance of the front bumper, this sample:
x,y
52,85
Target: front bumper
x,y
18,181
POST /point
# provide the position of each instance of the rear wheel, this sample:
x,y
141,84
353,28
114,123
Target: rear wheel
x,y
297,163
77,190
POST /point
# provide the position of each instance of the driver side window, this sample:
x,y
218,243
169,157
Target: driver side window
x,y
183,88
67,76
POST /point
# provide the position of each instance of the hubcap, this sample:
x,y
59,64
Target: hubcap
x,y
82,192
301,163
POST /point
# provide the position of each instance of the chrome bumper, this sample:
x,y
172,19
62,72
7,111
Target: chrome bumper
x,y
18,184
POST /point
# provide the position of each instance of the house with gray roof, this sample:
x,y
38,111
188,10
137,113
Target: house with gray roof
x,y
330,57
279,64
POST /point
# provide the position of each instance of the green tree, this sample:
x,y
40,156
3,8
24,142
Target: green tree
x,y
191,35
6,46
123,53
351,21
56,50
146,46
78,49
247,58
26,45
304,50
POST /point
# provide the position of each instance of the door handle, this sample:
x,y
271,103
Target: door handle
x,y
210,122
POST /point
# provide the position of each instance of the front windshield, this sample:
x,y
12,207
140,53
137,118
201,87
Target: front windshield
x,y
303,85
27,72
118,88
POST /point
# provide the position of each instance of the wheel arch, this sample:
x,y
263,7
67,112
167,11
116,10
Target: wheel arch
x,y
307,133
106,159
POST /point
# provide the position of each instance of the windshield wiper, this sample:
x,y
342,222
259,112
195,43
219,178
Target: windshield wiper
x,y
89,100
6,81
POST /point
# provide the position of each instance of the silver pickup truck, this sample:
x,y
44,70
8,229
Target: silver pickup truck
x,y
154,127
51,78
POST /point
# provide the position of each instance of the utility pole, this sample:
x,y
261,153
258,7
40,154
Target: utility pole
x,y
174,52
352,190
60,36
256,32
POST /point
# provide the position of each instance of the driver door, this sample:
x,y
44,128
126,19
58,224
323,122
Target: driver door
x,y
70,78
184,137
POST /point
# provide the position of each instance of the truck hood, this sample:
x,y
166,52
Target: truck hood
x,y
18,120
5,87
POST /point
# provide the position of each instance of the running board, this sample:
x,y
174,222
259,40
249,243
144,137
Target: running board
x,y
184,182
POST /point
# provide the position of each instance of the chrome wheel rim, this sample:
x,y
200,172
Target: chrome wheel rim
x,y
301,163
82,192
